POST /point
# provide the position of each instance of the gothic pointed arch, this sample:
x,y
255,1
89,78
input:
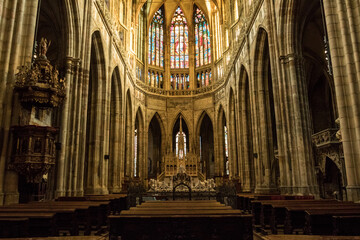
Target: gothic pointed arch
x,y
267,165
115,131
95,126
223,144
175,133
246,163
233,137
205,145
200,120
289,22
59,23
128,136
156,135
73,26
138,162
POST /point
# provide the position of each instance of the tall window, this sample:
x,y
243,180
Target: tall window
x,y
226,151
202,39
177,144
179,40
140,34
204,78
155,79
122,11
156,40
135,155
180,81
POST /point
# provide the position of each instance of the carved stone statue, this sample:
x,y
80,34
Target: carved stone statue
x,y
338,133
43,47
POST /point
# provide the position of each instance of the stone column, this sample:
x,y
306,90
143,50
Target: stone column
x,y
72,66
342,21
18,22
301,177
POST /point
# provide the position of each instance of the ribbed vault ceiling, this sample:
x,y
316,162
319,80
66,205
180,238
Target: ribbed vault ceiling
x,y
170,6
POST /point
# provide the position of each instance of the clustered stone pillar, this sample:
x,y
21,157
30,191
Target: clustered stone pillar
x,y
298,168
17,27
342,21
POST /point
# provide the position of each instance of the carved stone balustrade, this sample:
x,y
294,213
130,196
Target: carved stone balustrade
x,y
325,138
329,146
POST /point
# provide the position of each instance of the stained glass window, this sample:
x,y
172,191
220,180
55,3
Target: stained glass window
x,y
122,11
204,78
155,79
226,145
179,40
135,153
180,81
156,40
140,34
226,150
202,39
177,143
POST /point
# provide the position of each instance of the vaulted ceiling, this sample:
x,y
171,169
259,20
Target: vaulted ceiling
x,y
207,6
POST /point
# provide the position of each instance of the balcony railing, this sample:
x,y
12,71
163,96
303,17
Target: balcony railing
x,y
325,138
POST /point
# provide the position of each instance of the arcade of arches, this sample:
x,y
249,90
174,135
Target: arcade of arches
x,y
264,93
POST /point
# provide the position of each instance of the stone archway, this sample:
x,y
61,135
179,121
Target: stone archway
x,y
264,125
95,126
246,157
115,133
155,147
206,146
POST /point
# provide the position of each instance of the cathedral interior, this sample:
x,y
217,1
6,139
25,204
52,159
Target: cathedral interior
x,y
107,97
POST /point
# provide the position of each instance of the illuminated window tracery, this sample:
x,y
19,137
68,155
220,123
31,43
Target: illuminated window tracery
x,y
202,39
180,81
156,40
179,40
177,143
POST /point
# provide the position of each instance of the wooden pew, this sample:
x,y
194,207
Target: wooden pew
x,y
346,225
91,215
188,219
244,201
40,224
98,211
309,237
14,227
273,212
296,215
83,212
117,202
179,207
65,218
221,227
256,205
62,238
188,212
319,221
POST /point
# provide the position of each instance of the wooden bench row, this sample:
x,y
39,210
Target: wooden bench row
x,y
185,219
311,217
244,200
42,219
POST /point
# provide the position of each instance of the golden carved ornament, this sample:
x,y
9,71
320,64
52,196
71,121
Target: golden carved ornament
x,y
39,85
